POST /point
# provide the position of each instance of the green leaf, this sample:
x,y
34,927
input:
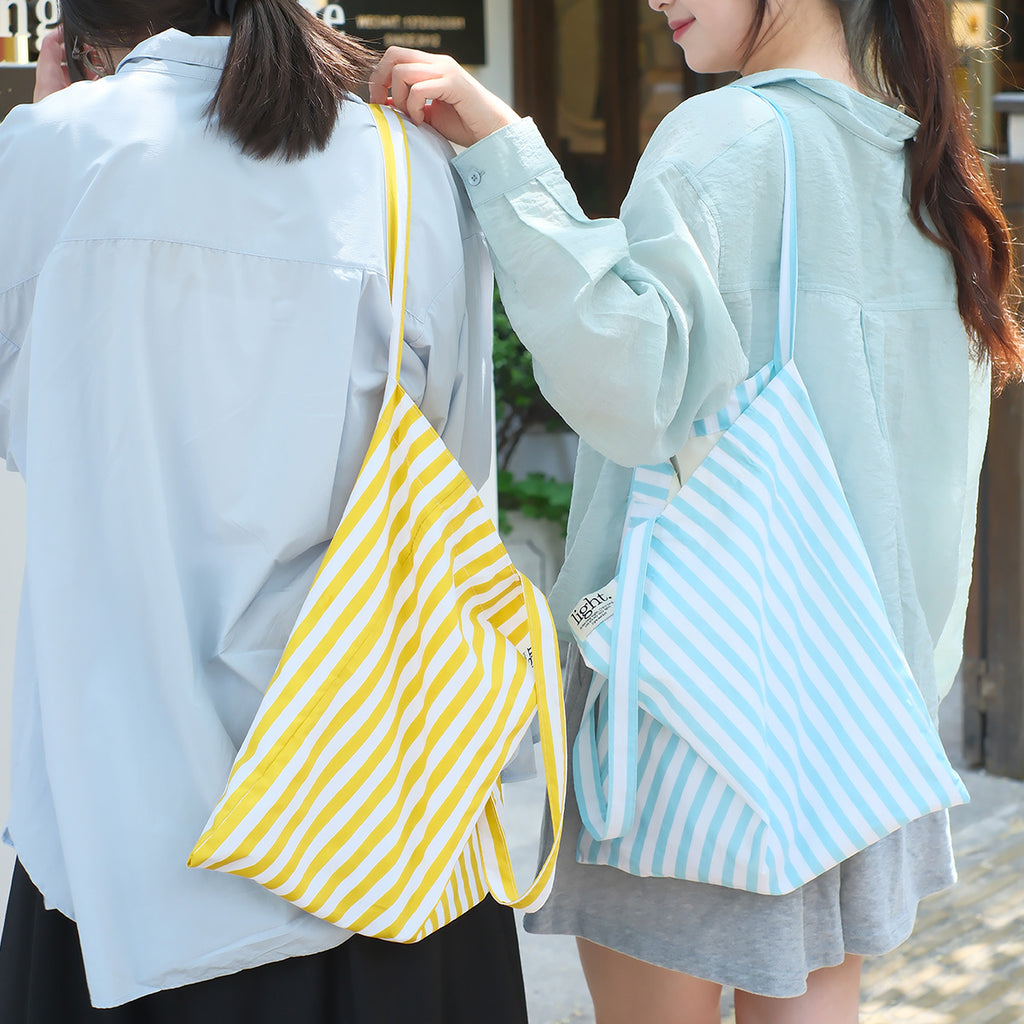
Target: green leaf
x,y
519,404
536,496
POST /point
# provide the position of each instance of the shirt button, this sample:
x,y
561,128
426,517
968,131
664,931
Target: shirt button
x,y
475,178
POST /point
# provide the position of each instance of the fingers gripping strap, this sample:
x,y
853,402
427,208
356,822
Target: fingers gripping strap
x,y
497,862
395,147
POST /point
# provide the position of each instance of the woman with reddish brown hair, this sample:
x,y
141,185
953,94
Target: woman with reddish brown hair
x,y
642,325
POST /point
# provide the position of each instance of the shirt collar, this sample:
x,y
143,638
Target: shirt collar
x,y
866,116
174,47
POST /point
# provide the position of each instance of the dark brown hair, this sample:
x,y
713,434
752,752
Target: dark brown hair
x,y
285,76
904,49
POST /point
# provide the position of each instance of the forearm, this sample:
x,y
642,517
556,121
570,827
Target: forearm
x,y
620,348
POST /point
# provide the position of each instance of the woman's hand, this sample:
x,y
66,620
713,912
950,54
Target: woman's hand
x,y
433,88
51,70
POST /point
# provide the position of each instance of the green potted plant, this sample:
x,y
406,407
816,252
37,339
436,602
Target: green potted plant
x,y
521,411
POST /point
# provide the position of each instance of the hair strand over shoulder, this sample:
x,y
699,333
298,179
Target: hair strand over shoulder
x,y
905,48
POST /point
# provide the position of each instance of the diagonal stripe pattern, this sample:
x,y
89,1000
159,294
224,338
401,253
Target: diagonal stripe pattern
x,y
753,721
367,789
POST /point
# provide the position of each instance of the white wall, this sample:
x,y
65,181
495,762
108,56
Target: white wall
x,y
12,554
497,73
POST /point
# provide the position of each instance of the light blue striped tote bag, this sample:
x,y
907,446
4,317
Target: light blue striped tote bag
x,y
752,720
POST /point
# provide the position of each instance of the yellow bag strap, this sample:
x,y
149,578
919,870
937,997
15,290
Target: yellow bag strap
x,y
546,671
547,680
398,192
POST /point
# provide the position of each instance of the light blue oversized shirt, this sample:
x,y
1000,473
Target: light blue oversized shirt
x,y
641,324
193,349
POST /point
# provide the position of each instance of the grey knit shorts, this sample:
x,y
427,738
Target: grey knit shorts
x,y
762,944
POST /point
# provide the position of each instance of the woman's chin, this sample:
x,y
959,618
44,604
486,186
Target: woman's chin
x,y
708,65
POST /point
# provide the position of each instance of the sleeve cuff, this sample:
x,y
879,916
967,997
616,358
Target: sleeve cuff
x,y
504,161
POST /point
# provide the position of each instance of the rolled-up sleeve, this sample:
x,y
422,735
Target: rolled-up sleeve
x,y
630,336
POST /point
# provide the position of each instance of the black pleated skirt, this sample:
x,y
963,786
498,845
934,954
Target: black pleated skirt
x,y
467,973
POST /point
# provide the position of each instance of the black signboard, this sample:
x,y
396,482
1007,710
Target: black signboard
x,y
438,26
16,84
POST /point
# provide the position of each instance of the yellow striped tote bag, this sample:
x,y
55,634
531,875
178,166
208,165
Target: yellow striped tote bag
x,y
367,791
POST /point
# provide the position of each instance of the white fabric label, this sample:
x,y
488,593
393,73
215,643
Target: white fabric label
x,y
592,610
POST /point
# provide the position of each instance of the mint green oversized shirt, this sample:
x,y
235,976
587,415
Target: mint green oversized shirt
x,y
641,324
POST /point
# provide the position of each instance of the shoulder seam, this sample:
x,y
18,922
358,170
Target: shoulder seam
x,y
881,306
769,120
334,264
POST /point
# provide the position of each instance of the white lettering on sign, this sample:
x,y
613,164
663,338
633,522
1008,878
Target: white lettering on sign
x,y
48,16
14,22
13,13
417,40
333,15
417,30
433,23
378,21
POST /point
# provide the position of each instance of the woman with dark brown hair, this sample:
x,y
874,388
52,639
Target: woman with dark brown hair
x,y
643,325
194,328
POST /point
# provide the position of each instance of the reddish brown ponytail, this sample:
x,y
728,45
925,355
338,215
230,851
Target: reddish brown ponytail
x,y
905,48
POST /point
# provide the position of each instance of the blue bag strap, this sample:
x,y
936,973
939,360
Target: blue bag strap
x,y
606,793
785,330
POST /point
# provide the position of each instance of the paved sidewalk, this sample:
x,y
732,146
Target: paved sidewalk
x,y
964,964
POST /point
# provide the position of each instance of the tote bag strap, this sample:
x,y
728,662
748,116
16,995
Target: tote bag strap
x,y
785,330
607,795
547,681
545,671
785,326
398,194
608,798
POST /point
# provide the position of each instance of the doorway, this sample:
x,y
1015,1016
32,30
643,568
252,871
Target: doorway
x,y
598,76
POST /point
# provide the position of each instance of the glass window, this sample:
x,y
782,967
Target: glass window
x,y
598,76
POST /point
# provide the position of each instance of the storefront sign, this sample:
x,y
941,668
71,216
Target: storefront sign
x,y
24,24
443,26
439,26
